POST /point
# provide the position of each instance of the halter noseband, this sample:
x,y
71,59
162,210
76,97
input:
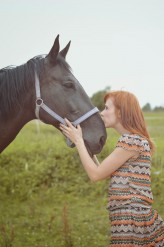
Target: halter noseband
x,y
40,104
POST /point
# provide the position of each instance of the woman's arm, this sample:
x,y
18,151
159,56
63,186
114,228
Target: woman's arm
x,y
96,161
109,165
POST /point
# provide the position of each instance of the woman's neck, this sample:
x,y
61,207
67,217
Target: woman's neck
x,y
121,130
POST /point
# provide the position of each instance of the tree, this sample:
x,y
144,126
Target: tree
x,y
98,98
146,107
159,108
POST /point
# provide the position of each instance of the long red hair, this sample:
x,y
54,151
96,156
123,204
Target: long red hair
x,y
130,112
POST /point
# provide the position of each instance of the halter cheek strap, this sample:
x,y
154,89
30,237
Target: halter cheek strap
x,y
40,104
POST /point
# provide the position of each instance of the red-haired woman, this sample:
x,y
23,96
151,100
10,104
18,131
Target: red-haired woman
x,y
133,220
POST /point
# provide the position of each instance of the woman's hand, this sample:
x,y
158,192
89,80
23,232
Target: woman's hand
x,y
74,134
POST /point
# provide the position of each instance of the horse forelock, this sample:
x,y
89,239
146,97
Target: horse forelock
x,y
15,81
63,63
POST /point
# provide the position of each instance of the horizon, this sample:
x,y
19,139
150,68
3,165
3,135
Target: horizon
x,y
116,43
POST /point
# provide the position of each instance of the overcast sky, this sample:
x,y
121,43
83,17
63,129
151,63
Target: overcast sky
x,y
116,43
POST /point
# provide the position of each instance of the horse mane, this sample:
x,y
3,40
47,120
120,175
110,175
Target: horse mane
x,y
14,84
15,81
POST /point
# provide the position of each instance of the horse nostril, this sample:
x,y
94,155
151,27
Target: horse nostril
x,y
102,140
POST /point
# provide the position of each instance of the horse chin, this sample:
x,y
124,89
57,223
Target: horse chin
x,y
88,149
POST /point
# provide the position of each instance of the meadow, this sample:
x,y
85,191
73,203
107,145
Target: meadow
x,y
46,197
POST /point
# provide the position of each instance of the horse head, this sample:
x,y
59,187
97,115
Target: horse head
x,y
46,88
64,96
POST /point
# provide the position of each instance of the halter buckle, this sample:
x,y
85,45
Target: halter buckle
x,y
39,101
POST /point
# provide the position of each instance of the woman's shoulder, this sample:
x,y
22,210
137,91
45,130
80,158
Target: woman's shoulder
x,y
132,137
133,141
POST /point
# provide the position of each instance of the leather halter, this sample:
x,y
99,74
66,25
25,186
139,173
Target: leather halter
x,y
40,104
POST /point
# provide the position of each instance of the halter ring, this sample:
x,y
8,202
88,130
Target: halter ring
x,y
39,101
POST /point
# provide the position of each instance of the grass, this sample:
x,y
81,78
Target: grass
x,y
47,199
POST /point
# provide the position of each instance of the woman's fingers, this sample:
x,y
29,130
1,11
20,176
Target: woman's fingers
x,y
69,129
73,133
78,127
66,129
68,122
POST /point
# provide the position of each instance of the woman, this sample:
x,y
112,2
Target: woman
x,y
133,220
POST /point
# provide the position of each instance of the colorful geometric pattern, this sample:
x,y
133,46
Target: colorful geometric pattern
x,y
133,221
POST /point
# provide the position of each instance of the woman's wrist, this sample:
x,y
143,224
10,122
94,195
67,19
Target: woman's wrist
x,y
79,143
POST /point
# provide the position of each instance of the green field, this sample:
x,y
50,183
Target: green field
x,y
47,199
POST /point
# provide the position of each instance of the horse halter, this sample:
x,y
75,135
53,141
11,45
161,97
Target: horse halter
x,y
40,104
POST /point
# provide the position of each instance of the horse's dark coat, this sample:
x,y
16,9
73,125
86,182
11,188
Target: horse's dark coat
x,y
59,89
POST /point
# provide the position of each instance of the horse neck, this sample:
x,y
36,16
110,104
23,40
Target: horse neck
x,y
14,123
10,129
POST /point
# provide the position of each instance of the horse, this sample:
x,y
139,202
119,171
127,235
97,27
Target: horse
x,y
45,88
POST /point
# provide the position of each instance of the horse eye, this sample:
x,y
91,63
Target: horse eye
x,y
69,84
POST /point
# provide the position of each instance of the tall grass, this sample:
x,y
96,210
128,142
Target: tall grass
x,y
47,199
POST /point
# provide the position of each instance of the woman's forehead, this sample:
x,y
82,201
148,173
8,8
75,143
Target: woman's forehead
x,y
109,102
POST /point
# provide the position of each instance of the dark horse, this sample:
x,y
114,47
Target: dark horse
x,y
45,88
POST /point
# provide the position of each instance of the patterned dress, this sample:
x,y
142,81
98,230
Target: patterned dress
x,y
133,220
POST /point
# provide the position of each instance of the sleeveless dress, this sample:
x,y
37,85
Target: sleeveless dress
x,y
133,220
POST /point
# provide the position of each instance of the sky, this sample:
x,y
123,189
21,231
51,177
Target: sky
x,y
114,43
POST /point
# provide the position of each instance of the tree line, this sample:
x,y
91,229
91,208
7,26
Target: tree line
x,y
97,100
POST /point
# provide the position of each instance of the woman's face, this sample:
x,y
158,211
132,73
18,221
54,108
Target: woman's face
x,y
109,114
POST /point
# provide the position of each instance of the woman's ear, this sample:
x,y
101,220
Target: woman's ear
x,y
119,114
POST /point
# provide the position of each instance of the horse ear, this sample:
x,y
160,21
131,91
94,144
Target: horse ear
x,y
54,50
63,53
